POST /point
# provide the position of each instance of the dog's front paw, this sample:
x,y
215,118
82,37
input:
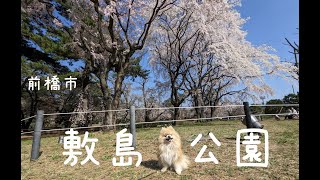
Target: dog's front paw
x,y
164,169
178,172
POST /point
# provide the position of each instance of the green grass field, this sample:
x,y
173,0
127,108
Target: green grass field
x,y
283,155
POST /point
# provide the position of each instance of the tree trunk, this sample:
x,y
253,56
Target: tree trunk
x,y
62,108
175,114
81,119
196,104
118,87
199,111
201,108
146,111
117,94
174,102
33,108
212,109
108,116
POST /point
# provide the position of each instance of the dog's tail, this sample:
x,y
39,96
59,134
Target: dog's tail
x,y
184,162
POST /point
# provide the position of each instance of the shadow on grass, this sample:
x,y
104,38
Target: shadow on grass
x,y
151,164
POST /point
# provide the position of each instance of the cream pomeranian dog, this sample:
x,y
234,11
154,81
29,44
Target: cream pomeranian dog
x,y
170,151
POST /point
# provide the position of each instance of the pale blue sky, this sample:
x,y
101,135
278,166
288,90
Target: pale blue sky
x,y
270,22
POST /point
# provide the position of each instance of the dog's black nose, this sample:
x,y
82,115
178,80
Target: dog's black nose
x,y
168,138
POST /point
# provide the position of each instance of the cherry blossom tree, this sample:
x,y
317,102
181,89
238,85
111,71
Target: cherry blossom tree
x,y
108,34
198,42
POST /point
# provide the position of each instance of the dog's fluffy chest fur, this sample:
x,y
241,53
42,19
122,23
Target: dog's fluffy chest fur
x,y
169,154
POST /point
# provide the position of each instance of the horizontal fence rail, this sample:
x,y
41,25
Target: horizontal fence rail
x,y
194,107
274,105
126,124
159,108
282,114
28,118
163,121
